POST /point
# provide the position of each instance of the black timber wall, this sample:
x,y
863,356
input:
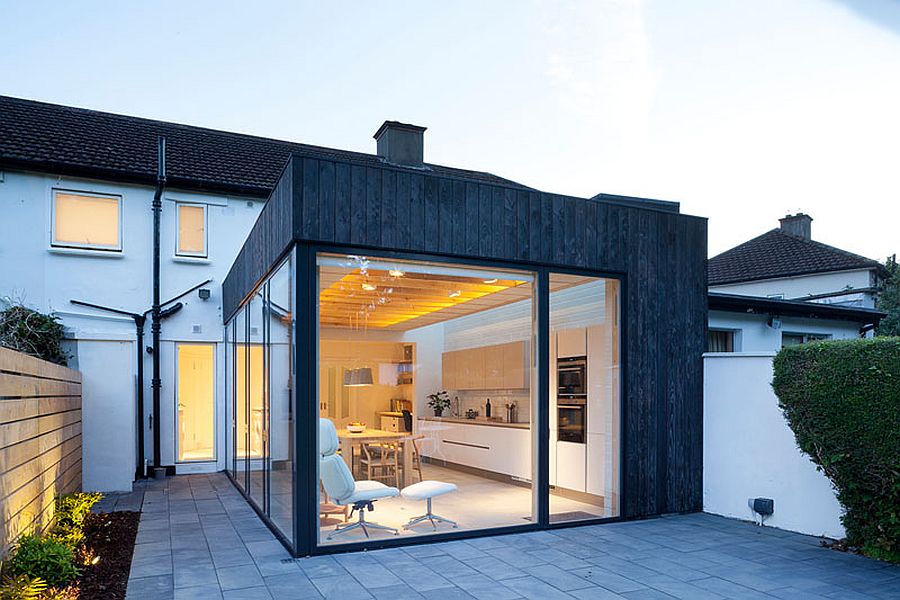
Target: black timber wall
x,y
662,256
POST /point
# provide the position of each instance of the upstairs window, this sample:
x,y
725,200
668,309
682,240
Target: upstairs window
x,y
719,341
191,230
86,220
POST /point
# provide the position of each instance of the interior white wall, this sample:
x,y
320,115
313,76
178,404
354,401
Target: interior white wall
x,y
429,343
749,451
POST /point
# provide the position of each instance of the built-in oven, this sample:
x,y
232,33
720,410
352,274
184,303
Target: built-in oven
x,y
571,419
571,376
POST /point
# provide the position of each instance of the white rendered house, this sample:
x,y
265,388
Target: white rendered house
x,y
76,223
787,263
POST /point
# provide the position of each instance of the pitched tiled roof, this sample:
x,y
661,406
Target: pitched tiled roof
x,y
66,140
777,254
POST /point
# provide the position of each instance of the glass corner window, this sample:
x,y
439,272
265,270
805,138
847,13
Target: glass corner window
x,y
192,239
87,220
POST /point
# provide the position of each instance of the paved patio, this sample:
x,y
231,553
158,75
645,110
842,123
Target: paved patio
x,y
199,539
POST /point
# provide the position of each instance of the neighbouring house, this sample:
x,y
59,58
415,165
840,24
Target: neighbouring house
x,y
787,263
749,451
566,333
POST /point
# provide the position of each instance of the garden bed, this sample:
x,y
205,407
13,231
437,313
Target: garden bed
x,y
109,536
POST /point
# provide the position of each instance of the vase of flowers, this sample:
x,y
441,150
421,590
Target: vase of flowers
x,y
439,401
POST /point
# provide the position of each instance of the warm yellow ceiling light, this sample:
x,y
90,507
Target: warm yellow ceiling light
x,y
491,280
385,301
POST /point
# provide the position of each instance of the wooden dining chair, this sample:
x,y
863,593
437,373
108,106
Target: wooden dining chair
x,y
380,461
416,459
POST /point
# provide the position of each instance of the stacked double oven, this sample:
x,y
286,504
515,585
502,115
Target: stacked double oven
x,y
571,399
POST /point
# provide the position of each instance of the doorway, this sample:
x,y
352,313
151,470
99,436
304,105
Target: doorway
x,y
195,425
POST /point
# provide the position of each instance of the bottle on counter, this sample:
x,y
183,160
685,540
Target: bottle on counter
x,y
487,409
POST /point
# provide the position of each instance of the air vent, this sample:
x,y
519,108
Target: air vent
x,y
196,329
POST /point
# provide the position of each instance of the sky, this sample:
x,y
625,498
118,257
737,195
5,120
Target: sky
x,y
742,111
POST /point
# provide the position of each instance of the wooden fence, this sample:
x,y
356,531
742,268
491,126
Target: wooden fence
x,y
40,441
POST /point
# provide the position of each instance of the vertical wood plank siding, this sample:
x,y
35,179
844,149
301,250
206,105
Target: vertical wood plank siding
x,y
661,255
40,441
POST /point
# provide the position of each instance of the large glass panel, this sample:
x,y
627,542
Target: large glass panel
x,y
241,407
280,319
425,373
195,399
229,397
584,397
258,417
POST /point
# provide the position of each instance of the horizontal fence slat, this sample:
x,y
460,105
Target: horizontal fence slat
x,y
16,362
27,386
40,442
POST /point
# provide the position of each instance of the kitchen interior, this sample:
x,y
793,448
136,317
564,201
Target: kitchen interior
x,y
427,372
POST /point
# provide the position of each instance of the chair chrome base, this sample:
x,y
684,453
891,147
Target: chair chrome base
x,y
361,522
430,516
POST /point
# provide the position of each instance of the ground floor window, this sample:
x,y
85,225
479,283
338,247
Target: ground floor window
x,y
195,402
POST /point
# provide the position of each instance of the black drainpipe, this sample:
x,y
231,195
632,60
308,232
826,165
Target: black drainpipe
x,y
156,325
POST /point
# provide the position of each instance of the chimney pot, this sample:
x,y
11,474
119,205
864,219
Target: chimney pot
x,y
401,143
799,225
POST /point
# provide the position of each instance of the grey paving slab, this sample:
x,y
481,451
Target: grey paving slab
x,y
199,539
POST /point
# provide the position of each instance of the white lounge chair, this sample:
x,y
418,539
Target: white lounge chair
x,y
343,489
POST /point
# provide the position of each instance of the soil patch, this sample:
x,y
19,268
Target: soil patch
x,y
109,537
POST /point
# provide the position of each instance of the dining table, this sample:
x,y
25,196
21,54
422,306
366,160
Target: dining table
x,y
349,440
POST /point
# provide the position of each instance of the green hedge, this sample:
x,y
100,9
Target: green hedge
x,y
842,400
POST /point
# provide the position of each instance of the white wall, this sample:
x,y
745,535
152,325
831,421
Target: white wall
x,y
805,285
46,279
749,451
107,414
754,335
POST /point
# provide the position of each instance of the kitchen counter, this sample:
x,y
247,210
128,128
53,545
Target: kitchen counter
x,y
477,421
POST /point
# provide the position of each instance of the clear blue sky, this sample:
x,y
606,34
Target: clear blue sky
x,y
743,111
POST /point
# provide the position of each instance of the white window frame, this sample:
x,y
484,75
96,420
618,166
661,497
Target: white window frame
x,y
93,247
183,254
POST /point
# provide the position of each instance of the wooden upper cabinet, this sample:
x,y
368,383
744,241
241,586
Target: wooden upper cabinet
x,y
470,369
448,370
571,342
498,367
493,367
515,365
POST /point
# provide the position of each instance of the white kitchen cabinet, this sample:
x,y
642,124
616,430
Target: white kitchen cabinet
x,y
553,410
570,466
598,467
571,342
505,450
599,379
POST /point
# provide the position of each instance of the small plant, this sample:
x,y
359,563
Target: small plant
x,y
71,509
28,331
439,401
22,587
45,558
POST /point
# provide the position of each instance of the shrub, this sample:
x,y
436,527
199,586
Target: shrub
x,y
71,509
22,587
842,401
46,558
33,333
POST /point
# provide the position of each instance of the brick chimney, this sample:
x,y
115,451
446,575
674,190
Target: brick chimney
x,y
799,225
401,143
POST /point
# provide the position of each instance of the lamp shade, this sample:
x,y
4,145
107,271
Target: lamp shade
x,y
358,377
